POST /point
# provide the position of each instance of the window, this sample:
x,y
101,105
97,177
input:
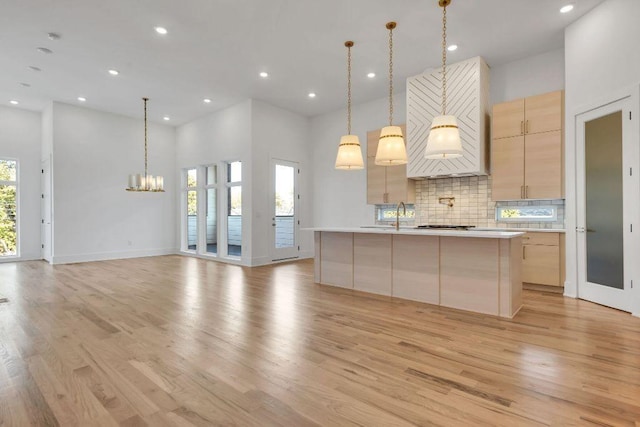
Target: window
x,y
234,208
8,208
526,213
211,208
387,213
191,200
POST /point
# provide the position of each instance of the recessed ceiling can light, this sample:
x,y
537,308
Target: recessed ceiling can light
x,y
44,50
161,30
14,102
114,72
312,95
566,9
264,74
53,36
82,99
166,118
23,84
34,68
206,101
371,75
452,47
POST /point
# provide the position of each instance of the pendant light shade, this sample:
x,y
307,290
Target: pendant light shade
x,y
444,137
349,152
144,181
391,149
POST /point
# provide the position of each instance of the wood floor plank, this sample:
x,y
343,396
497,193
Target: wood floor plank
x,y
178,341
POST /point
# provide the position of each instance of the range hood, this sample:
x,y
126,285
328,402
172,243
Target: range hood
x,y
468,100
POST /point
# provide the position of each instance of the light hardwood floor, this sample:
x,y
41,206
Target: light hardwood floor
x,y
187,342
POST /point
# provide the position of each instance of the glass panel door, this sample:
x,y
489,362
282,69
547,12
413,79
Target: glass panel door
x,y
605,204
284,220
234,209
191,209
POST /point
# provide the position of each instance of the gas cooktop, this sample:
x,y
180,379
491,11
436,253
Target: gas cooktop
x,y
446,227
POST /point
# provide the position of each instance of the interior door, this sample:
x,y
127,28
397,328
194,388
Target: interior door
x,y
284,220
607,199
45,209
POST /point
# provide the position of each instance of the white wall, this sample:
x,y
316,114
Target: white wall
x,y
279,134
602,59
222,136
529,76
20,138
340,197
95,218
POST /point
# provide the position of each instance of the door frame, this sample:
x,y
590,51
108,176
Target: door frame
x,y
46,211
627,299
293,252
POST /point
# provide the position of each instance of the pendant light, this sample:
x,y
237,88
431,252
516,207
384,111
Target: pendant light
x,y
349,152
391,148
145,182
444,138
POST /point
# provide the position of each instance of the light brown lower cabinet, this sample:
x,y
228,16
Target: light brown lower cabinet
x,y
543,258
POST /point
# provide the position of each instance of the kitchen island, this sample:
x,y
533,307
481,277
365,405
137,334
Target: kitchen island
x,y
478,271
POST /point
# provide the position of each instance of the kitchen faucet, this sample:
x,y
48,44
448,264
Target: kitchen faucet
x,y
398,214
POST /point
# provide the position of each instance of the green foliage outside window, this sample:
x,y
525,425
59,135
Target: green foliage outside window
x,y
8,235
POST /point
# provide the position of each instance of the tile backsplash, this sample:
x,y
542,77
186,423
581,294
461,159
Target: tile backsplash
x,y
472,204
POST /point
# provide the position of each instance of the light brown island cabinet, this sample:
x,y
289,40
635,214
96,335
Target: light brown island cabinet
x,y
526,148
543,258
387,184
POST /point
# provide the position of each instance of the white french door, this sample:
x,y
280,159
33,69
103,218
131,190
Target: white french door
x,y
607,203
284,213
45,209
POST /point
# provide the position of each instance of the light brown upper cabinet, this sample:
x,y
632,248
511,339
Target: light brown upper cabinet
x,y
387,184
526,148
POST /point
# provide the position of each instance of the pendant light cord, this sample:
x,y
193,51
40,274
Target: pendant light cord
x,y
349,44
444,60
145,137
391,27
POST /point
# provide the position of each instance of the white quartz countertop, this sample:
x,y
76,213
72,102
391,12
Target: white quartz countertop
x,y
488,234
536,230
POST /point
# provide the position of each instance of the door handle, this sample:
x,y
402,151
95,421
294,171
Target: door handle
x,y
589,230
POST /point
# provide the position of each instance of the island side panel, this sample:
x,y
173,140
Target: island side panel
x,y
416,264
511,286
469,274
372,263
336,259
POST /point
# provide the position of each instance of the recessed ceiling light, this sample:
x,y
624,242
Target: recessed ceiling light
x,y
566,9
312,95
23,84
371,75
206,101
82,99
264,74
53,36
34,68
114,72
44,50
166,118
452,47
14,102
161,30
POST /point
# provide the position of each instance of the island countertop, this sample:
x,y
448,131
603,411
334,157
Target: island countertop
x,y
412,231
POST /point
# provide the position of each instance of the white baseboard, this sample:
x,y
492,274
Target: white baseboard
x,y
106,256
569,291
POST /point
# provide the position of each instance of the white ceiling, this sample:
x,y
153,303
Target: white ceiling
x,y
216,48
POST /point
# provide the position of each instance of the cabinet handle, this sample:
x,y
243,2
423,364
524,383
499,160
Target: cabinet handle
x,y
526,191
522,191
521,127
526,127
524,254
